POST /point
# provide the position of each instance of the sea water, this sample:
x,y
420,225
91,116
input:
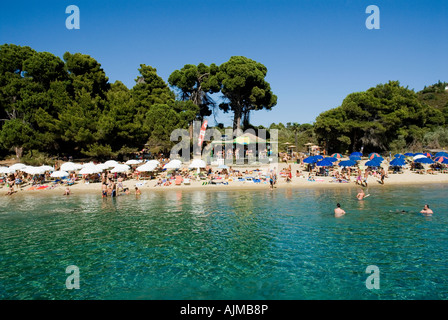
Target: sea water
x,y
280,244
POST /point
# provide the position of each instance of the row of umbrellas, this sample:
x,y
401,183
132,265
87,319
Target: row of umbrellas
x,y
91,168
375,159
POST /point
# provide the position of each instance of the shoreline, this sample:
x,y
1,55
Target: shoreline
x,y
407,179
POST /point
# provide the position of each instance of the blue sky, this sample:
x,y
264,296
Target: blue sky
x,y
316,52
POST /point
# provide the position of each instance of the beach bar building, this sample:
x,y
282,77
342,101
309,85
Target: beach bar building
x,y
246,148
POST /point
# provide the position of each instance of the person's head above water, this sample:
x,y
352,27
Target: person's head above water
x,y
426,206
338,205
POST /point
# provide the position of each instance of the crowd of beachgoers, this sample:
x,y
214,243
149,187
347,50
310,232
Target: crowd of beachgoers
x,y
112,178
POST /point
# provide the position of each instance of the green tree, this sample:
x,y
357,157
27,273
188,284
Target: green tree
x,y
195,84
16,135
374,118
245,89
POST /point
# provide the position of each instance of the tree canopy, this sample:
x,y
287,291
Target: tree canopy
x,y
245,89
374,119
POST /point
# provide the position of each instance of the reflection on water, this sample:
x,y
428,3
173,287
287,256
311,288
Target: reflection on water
x,y
281,244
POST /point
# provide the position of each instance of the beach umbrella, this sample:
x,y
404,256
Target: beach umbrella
x,y
111,163
133,162
318,157
398,155
347,163
70,166
336,155
59,174
17,166
197,163
355,158
120,168
173,164
89,170
440,159
398,162
373,163
5,170
409,154
147,167
374,155
419,156
47,168
424,160
33,170
441,154
427,154
332,159
356,153
154,161
311,159
101,167
445,161
324,163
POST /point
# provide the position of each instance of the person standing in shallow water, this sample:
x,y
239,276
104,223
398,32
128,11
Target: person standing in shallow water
x,y
426,211
338,212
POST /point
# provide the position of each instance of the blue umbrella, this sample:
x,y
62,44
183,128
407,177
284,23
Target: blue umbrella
x,y
409,154
398,162
332,159
441,154
358,154
424,160
324,163
347,163
318,157
398,155
445,161
373,163
355,158
311,159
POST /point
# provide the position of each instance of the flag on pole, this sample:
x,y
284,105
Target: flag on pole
x,y
202,133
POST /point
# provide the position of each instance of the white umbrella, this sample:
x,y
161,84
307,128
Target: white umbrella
x,y
47,168
133,161
419,156
120,168
197,163
69,166
6,170
89,170
156,162
101,166
111,163
59,174
17,166
173,164
147,167
33,170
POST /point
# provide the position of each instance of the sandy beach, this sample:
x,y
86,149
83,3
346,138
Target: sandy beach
x,y
406,178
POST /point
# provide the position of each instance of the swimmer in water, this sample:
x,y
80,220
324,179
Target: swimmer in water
x,y
426,211
338,212
361,194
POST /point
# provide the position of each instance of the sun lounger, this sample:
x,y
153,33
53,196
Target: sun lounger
x,y
178,181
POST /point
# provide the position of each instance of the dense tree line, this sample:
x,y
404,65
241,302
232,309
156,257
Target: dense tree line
x,y
387,117
60,107
68,106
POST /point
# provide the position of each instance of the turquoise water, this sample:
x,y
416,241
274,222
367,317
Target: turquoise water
x,y
281,244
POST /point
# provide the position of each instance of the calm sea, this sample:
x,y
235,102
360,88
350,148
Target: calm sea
x,y
281,244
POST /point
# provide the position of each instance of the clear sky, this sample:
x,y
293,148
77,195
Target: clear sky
x,y
316,51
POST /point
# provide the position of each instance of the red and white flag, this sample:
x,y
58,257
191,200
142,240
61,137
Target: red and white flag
x,y
202,133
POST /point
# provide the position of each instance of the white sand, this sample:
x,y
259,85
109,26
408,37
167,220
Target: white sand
x,y
406,178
